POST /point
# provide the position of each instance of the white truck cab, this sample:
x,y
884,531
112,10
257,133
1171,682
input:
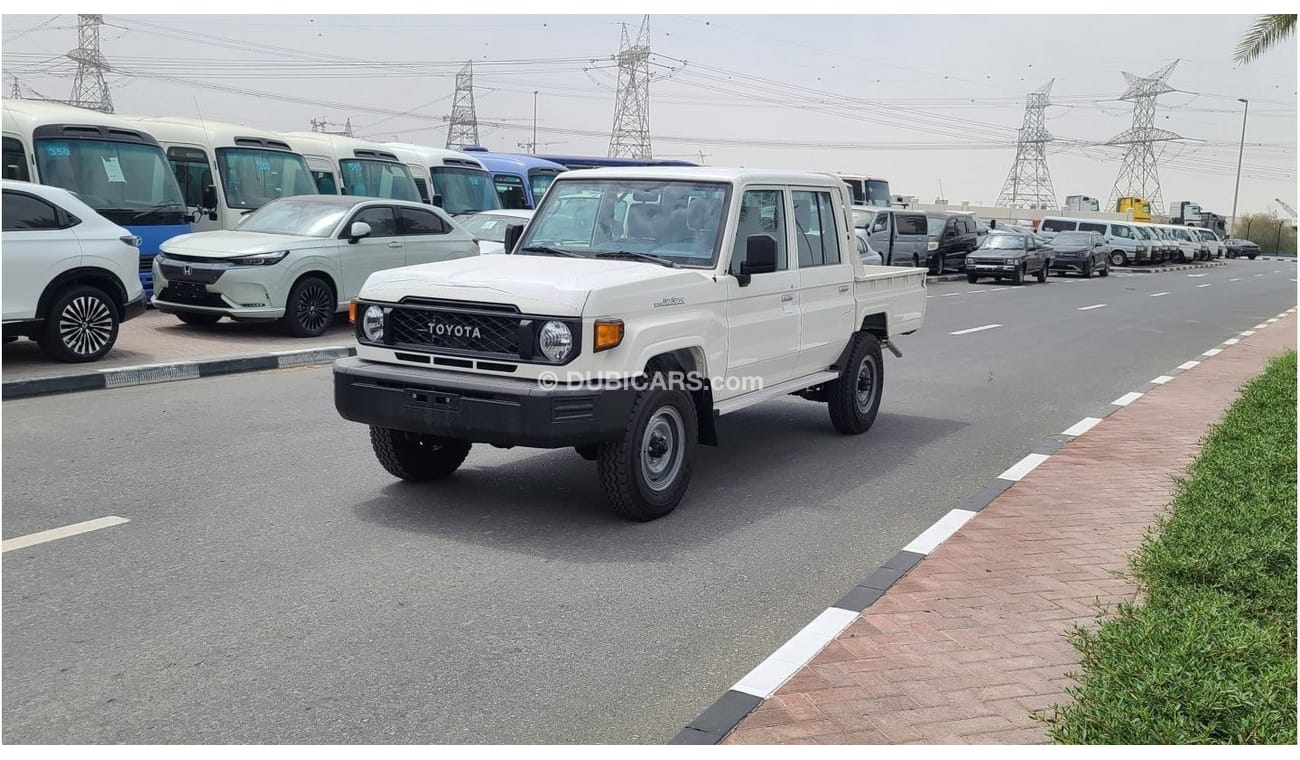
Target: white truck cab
x,y
636,306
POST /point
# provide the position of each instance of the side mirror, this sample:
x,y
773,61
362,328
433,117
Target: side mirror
x,y
513,233
357,231
437,200
760,257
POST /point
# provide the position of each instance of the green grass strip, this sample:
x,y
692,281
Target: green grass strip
x,y
1209,655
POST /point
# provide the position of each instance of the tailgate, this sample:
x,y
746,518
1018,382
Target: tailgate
x,y
898,292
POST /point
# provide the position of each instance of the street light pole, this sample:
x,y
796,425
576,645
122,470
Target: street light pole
x,y
1232,231
534,146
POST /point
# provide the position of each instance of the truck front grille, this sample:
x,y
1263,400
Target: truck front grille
x,y
480,334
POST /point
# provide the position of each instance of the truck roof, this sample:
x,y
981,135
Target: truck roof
x,y
706,174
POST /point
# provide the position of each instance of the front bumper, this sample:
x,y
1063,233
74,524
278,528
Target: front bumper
x,y
1068,265
235,293
135,308
499,411
988,269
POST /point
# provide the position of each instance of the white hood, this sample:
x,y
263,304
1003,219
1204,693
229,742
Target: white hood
x,y
225,244
535,284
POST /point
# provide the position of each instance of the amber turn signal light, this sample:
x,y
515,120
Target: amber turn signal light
x,y
609,333
352,312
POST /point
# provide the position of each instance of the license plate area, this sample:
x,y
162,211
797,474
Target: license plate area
x,y
426,399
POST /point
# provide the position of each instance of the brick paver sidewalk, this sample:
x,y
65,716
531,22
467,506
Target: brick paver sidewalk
x,y
155,338
973,640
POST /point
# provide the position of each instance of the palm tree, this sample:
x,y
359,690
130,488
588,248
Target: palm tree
x,y
1267,31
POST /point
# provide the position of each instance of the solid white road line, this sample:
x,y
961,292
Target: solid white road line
x,y
1094,306
1127,399
1162,293
765,679
1161,380
970,330
1213,352
1187,365
1023,467
31,539
1206,285
1082,426
936,534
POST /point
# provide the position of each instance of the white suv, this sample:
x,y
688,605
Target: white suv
x,y
71,277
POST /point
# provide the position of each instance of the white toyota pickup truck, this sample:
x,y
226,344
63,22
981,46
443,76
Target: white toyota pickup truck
x,y
637,306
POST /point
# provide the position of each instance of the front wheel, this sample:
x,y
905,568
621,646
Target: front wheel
x,y
415,457
310,308
1105,269
1018,277
1042,272
854,397
972,278
645,473
936,266
80,326
1087,269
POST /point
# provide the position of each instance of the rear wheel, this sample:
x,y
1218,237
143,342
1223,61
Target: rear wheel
x,y
1118,259
80,325
415,457
853,398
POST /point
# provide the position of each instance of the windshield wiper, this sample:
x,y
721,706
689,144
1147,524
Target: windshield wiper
x,y
634,256
157,207
549,251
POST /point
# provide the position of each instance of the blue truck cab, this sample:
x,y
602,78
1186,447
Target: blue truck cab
x,y
520,179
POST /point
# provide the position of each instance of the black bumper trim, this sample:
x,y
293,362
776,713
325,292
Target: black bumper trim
x,y
478,408
134,309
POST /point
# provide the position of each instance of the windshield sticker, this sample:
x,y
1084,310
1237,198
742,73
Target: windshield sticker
x,y
58,150
113,169
262,164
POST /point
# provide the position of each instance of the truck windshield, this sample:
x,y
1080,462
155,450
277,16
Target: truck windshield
x,y
378,179
877,193
1004,242
464,190
680,221
125,182
253,177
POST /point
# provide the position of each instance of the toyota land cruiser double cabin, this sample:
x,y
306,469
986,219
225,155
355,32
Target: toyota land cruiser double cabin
x,y
637,306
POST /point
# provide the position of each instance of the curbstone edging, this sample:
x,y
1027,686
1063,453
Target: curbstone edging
x,y
147,374
716,722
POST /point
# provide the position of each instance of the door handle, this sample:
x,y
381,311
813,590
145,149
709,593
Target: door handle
x,y
787,297
844,288
394,244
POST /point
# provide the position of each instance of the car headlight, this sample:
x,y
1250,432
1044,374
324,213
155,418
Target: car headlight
x,y
372,324
970,262
555,341
1141,249
933,245
261,259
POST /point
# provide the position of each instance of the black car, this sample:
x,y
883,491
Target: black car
x,y
1012,257
952,236
1241,247
1081,253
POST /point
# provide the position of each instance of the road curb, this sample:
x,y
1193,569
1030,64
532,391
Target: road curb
x,y
724,715
147,374
1173,268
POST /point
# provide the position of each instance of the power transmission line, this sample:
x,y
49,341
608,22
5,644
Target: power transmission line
x,y
1030,181
1139,174
630,137
89,90
462,125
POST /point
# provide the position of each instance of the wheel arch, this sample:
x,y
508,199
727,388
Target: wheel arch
x,y
93,276
691,359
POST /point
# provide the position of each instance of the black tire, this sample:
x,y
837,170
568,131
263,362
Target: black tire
x,y
936,266
81,325
588,452
1105,269
972,278
852,407
1118,259
1251,256
916,261
1042,271
1087,269
198,319
415,457
645,473
310,308
1019,277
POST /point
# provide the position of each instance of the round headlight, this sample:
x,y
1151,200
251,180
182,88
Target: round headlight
x,y
555,340
372,324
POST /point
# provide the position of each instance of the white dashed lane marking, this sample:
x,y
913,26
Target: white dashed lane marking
x,y
1082,426
1094,306
1206,285
31,539
1127,399
1161,293
1022,468
970,330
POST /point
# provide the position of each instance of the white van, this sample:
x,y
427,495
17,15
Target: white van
x,y
348,166
457,182
1127,245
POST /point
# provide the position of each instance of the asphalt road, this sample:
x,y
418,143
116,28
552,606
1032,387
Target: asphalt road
x,y
275,585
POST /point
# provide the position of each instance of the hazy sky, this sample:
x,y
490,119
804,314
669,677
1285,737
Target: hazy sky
x,y
929,102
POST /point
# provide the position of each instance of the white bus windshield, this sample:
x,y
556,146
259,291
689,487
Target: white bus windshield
x,y
126,182
465,190
378,179
253,177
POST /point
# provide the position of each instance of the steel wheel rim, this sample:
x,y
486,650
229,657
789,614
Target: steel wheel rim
x,y
86,325
314,308
864,390
663,448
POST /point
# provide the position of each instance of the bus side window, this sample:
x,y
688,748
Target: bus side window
x,y
423,188
325,183
15,160
192,172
